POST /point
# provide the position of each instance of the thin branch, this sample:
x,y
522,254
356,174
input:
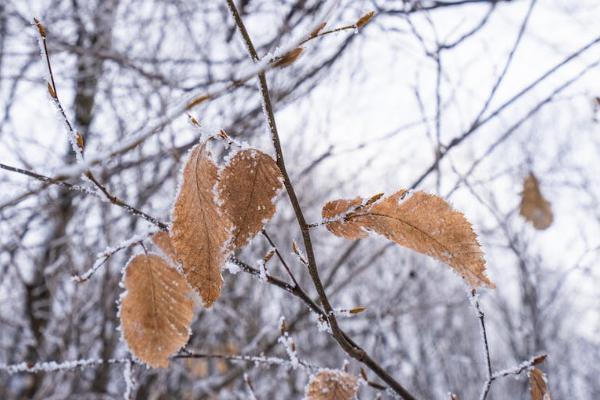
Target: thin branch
x,y
345,342
486,347
478,124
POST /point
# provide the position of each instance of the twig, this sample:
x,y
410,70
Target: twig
x,y
50,366
486,347
345,342
60,182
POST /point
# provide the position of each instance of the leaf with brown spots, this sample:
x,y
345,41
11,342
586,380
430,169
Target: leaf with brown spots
x,y
247,187
538,386
422,222
332,385
199,232
534,207
156,310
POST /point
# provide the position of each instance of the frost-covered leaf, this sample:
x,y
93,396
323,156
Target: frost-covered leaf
x,y
534,207
538,385
331,385
422,222
163,241
334,213
199,232
156,310
247,188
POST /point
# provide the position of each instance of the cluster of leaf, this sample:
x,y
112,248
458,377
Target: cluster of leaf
x,y
217,211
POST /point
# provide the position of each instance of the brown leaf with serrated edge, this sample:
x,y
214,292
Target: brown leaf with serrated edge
x,y
247,186
538,386
163,241
332,385
534,207
422,222
156,311
334,212
199,232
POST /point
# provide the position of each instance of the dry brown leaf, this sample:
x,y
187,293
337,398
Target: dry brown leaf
x,y
332,385
163,241
199,232
537,383
247,187
156,311
534,207
335,211
422,222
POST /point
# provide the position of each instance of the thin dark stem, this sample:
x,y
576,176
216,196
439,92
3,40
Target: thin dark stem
x,y
280,257
113,199
486,347
345,342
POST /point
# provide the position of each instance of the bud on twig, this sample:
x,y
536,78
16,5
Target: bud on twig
x,y
79,140
365,19
51,91
288,58
268,256
318,29
40,27
197,101
357,310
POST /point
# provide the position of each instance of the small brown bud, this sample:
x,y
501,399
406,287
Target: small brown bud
x,y
193,120
373,199
268,256
282,327
79,140
51,91
365,19
318,29
363,374
288,58
539,359
197,101
295,248
223,135
357,310
40,27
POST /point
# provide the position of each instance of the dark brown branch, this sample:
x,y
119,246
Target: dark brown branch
x,y
345,342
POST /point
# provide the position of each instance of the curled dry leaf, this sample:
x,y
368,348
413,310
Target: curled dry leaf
x,y
332,385
538,385
163,241
247,187
156,311
422,222
199,232
534,207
